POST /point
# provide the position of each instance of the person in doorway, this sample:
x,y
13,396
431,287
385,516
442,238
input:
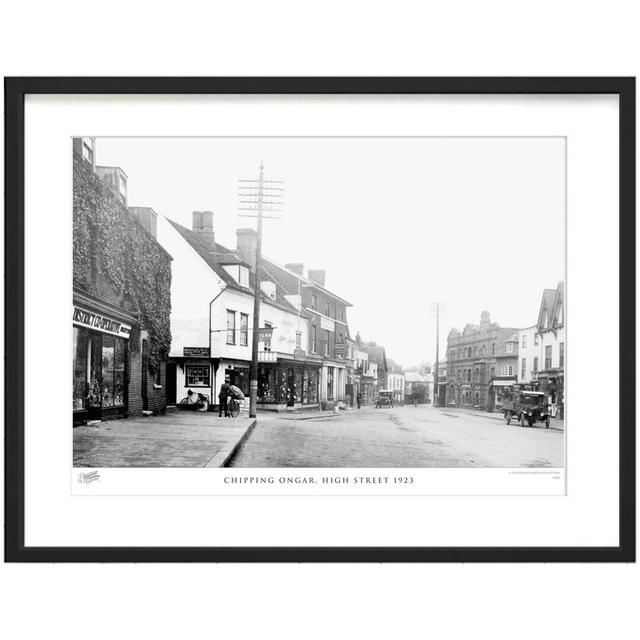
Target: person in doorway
x,y
359,399
223,397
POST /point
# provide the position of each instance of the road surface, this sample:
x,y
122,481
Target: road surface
x,y
401,437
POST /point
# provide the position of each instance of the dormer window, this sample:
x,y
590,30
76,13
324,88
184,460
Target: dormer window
x,y
239,272
269,289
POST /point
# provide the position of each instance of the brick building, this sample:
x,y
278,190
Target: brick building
x,y
329,342
121,302
481,361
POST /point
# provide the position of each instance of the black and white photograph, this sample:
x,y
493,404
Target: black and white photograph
x,y
319,302
344,314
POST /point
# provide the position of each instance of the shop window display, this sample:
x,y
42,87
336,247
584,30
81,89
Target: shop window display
x,y
80,380
197,375
266,385
98,370
310,386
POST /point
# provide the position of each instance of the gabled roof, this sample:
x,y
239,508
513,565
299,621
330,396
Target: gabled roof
x,y
552,299
376,354
212,258
220,256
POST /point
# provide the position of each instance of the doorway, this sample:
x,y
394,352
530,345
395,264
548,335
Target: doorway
x,y
171,383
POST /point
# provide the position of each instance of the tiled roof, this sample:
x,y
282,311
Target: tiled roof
x,y
212,258
221,255
291,281
551,298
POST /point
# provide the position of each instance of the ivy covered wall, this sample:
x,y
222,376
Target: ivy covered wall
x,y
116,259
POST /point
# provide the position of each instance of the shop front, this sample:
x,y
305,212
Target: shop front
x,y
288,384
551,382
497,390
100,363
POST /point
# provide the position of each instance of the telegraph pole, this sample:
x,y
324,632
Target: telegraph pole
x,y
258,197
436,310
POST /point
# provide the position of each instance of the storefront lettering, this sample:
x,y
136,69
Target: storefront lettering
x,y
100,323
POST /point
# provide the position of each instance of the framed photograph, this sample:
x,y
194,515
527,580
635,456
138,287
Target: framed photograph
x,y
320,319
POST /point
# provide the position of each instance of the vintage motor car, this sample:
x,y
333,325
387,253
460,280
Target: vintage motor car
x,y
384,399
527,407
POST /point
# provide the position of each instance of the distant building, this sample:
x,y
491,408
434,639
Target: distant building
x,y
481,362
377,357
550,333
395,381
365,374
418,387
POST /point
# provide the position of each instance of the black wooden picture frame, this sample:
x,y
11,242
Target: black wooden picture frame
x,y
15,91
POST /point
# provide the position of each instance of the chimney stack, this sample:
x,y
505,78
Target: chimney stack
x,y
317,276
116,180
296,267
203,226
246,243
147,218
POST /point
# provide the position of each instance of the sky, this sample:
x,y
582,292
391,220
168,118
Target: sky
x,y
397,223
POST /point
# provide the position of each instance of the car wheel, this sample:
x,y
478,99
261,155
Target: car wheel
x,y
507,417
522,420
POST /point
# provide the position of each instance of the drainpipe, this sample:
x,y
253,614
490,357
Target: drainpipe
x,y
210,356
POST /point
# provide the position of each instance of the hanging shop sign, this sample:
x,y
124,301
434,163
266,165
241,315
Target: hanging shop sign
x,y
265,334
195,352
98,322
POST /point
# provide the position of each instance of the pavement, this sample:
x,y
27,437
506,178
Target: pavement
x,y
408,437
178,439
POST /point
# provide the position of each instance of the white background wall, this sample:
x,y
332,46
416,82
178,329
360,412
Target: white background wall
x,y
193,285
400,38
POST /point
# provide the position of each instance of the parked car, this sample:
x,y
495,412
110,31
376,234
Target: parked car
x,y
384,399
527,407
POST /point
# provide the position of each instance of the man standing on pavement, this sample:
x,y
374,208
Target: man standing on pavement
x,y
223,396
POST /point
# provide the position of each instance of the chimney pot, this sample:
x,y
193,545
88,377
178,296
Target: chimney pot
x,y
207,220
203,226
